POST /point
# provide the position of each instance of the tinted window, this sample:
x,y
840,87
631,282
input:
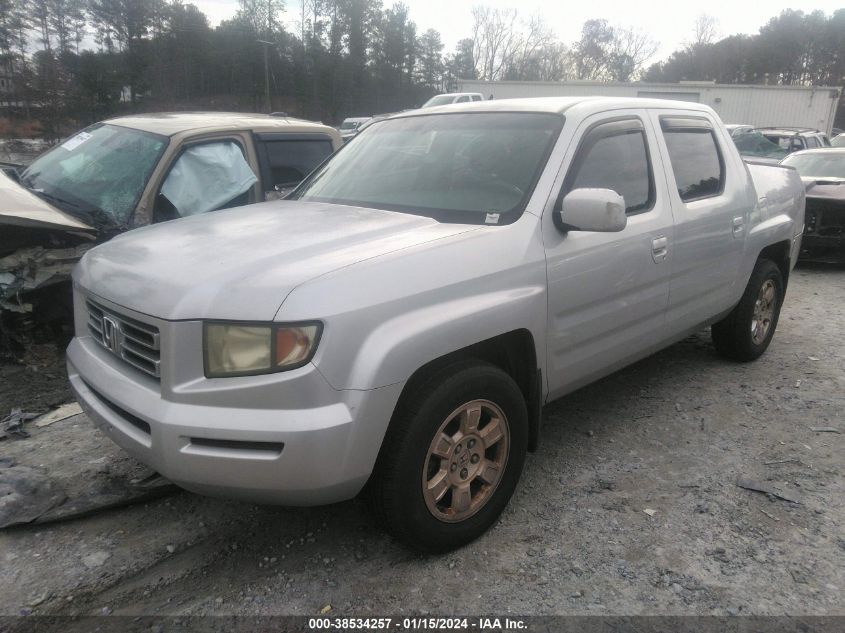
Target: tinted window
x,y
618,162
476,97
696,161
463,99
812,142
289,161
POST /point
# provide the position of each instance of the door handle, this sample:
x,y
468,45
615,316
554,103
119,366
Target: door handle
x,y
659,249
738,225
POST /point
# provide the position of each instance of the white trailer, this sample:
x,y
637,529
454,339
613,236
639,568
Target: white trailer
x,y
793,106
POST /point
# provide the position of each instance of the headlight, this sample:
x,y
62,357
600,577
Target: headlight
x,y
238,349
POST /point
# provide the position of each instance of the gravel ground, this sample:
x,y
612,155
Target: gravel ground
x,y
630,506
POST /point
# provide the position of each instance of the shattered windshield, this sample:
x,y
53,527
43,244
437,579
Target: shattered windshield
x,y
755,144
98,174
472,168
818,165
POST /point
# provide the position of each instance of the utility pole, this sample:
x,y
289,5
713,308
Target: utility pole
x,y
268,106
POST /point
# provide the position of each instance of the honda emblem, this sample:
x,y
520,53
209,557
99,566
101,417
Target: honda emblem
x,y
111,334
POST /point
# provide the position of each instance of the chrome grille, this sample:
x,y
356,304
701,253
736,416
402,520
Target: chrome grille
x,y
135,342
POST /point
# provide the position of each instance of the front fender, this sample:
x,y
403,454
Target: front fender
x,y
395,349
388,316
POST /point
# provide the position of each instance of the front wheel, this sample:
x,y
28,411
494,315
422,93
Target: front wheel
x,y
452,457
746,332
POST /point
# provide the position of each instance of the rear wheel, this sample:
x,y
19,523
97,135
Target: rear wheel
x,y
746,332
452,457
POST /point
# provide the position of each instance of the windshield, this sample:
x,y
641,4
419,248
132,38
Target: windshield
x,y
475,168
439,100
98,174
755,144
820,165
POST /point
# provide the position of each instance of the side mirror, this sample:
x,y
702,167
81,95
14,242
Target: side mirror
x,y
600,210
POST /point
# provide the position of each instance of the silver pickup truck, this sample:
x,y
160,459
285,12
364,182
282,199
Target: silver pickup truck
x,y
396,325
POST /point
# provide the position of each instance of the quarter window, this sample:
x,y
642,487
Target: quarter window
x,y
618,161
696,162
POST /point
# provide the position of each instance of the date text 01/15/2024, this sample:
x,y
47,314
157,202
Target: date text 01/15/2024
x,y
417,624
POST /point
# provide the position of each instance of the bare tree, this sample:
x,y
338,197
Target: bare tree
x,y
494,39
630,50
705,30
611,53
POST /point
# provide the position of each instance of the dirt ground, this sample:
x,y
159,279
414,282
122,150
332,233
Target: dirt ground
x,y
630,506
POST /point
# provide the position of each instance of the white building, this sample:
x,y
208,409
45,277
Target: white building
x,y
794,106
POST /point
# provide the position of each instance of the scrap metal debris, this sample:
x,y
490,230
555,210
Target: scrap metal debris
x,y
30,495
824,429
30,268
62,413
756,486
26,493
12,424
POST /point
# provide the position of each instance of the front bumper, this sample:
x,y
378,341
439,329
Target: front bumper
x,y
297,456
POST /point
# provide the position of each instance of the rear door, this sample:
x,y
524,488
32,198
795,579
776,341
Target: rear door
x,y
708,191
285,159
607,292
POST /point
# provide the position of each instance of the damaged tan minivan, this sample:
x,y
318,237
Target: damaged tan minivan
x,y
138,170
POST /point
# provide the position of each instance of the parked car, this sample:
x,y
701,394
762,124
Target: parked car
x,y
349,127
736,129
453,97
823,173
838,141
398,322
795,139
835,132
139,170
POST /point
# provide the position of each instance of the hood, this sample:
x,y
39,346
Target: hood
x,y
21,207
240,264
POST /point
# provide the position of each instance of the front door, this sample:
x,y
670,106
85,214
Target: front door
x,y
608,292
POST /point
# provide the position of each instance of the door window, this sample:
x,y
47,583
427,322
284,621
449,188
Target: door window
x,y
696,160
285,162
206,177
615,156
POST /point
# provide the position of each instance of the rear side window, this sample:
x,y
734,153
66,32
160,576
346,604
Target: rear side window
x,y
696,160
813,142
286,161
615,156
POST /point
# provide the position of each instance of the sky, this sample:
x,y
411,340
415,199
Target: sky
x,y
669,23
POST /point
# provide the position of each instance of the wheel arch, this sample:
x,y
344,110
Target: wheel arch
x,y
779,254
514,353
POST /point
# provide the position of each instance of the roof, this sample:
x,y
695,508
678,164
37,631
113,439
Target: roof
x,y
786,131
643,85
170,123
557,105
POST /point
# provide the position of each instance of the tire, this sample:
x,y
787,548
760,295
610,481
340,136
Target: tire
x,y
741,335
447,402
